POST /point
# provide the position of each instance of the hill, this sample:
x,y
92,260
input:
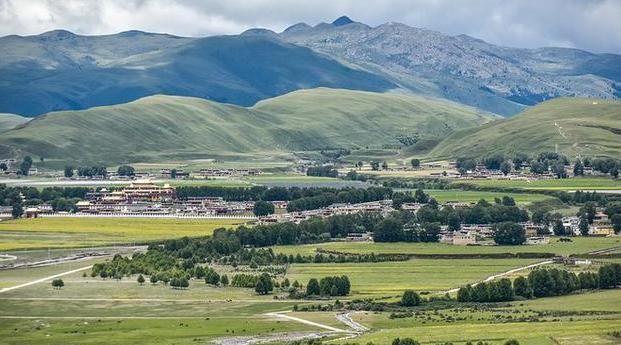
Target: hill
x,y
464,69
158,128
577,126
59,70
9,121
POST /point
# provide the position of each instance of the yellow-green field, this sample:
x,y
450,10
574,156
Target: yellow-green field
x,y
584,183
567,320
392,278
85,232
579,245
474,196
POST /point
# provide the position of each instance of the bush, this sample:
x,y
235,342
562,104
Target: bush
x,y
410,299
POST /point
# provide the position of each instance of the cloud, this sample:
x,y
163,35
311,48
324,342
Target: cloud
x,y
587,24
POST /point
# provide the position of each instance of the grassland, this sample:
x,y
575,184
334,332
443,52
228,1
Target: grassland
x,y
141,131
9,121
571,184
66,232
474,196
576,126
392,278
567,320
579,245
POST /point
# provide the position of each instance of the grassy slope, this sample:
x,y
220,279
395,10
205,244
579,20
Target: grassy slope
x,y
160,127
587,127
9,121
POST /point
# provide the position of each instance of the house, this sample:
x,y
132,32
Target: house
x,y
537,240
359,237
602,230
463,238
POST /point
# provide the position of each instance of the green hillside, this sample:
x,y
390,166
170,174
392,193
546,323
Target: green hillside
x,y
577,126
9,121
159,128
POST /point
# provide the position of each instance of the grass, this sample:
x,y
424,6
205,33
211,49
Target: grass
x,y
86,232
178,331
570,184
573,126
579,245
474,196
567,320
392,278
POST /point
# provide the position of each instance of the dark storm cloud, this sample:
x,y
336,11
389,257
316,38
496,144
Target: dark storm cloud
x,y
592,25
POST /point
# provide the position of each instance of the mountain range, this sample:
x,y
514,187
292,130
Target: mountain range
x,y
59,70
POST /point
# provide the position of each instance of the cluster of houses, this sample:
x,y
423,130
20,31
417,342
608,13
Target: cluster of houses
x,y
601,225
383,207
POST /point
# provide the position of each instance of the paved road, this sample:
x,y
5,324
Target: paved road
x,y
282,315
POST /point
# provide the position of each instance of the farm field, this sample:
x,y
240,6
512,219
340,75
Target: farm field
x,y
95,311
579,245
474,196
585,319
392,278
569,184
65,232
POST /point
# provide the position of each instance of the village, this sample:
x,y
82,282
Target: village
x,y
146,199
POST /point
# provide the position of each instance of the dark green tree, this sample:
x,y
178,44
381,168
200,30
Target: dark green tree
x,y
521,287
410,298
264,284
263,208
312,288
415,163
126,170
58,283
69,171
140,279
509,233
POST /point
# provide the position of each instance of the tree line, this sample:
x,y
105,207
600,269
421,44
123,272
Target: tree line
x,y
542,283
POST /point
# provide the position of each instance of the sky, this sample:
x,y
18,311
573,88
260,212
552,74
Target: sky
x,y
593,25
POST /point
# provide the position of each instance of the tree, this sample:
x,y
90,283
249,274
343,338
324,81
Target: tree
x,y
421,197
375,165
464,294
224,280
173,173
405,341
506,167
69,171
58,283
263,208
559,170
212,277
522,288
17,210
384,165
264,284
140,279
415,163
153,279
126,170
508,201
410,298
25,166
388,230
616,222
509,233
312,288
578,168
454,222
559,228
3,167
584,226
512,342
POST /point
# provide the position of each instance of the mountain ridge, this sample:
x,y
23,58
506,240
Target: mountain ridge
x,y
164,126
